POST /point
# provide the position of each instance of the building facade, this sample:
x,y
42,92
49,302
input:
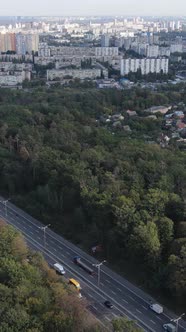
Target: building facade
x,y
147,65
54,74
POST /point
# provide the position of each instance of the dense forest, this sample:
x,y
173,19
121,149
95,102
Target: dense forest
x,y
96,185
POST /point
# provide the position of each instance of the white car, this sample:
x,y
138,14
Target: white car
x,y
59,268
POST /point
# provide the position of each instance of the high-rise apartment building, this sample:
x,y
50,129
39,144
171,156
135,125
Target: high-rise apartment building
x,y
7,42
147,65
105,40
152,51
26,43
106,51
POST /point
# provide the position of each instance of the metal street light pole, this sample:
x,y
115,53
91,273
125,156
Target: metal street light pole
x,y
177,321
5,204
44,233
99,270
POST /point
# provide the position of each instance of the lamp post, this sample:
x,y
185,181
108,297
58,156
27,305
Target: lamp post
x,y
5,204
176,320
44,233
99,270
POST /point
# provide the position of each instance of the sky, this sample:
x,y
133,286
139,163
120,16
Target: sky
x,y
93,7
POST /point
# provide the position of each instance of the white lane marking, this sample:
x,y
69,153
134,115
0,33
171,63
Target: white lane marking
x,y
101,283
107,281
90,295
94,307
113,292
125,301
144,307
152,321
119,289
109,319
114,314
54,249
139,311
132,298
31,232
159,318
67,253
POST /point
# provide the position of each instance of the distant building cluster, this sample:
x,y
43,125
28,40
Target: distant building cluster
x,y
88,49
19,43
12,74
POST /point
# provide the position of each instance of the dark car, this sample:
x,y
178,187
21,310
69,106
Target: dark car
x,y
108,304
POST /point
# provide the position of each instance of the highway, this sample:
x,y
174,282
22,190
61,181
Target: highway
x,y
128,300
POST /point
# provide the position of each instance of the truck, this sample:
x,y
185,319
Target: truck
x,y
59,268
158,309
169,327
78,261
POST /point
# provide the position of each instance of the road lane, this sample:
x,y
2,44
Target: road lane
x,y
127,299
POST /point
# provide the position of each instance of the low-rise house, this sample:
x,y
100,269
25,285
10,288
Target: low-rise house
x,y
179,114
117,124
180,125
117,116
127,128
158,109
153,117
131,113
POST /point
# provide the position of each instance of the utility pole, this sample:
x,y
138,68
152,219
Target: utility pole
x,y
44,233
99,270
5,204
176,320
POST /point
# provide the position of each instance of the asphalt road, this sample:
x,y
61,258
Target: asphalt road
x,y
128,300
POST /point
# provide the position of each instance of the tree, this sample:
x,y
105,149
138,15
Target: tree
x,y
165,230
125,325
155,201
145,243
177,273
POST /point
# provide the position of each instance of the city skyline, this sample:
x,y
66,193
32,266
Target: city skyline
x,y
95,7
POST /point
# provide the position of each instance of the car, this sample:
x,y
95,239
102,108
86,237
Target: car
x,y
108,304
169,327
59,268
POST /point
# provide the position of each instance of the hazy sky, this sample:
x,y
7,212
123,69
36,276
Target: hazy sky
x,y
93,7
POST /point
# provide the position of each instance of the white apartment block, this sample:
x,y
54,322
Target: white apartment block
x,y
140,48
14,78
164,51
72,51
43,50
147,65
73,73
152,51
176,48
106,51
